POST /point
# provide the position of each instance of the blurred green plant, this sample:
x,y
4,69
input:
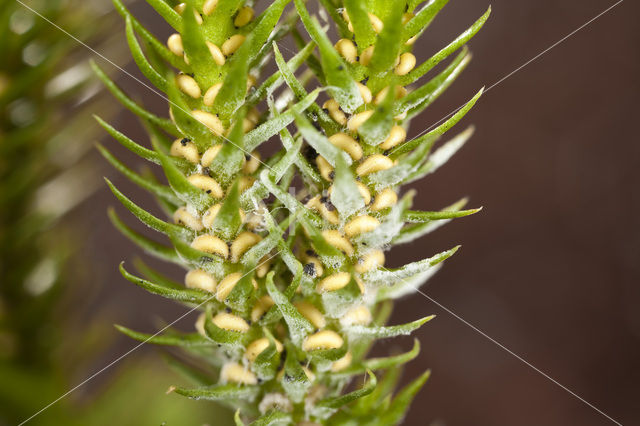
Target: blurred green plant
x,y
46,87
290,285
34,155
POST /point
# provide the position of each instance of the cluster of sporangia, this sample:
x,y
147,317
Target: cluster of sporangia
x,y
339,236
325,328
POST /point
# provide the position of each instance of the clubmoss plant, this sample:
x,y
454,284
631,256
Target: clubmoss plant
x,y
284,252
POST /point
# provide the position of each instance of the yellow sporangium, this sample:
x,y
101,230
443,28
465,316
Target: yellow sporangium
x,y
336,239
200,279
230,322
242,243
374,163
361,225
258,346
211,244
183,217
334,282
311,313
226,285
233,372
325,339
186,149
207,184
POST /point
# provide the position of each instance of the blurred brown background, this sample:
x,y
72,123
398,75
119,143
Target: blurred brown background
x,y
549,268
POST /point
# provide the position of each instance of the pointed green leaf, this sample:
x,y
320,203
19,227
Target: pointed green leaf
x,y
329,254
341,85
267,362
423,19
261,34
408,286
228,220
327,356
221,392
145,217
424,96
412,216
438,131
132,146
382,363
345,194
387,48
320,143
155,276
240,297
168,14
375,401
391,225
287,160
163,123
339,401
229,160
357,11
160,48
400,404
395,360
161,191
276,79
413,232
236,418
300,92
185,295
382,332
390,276
331,8
285,253
376,129
446,151
196,49
441,155
153,248
173,339
298,325
234,89
252,258
297,271
272,127
428,65
289,201
288,75
143,64
303,165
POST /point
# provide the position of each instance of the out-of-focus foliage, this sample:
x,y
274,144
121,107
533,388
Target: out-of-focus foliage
x,y
45,131
42,88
